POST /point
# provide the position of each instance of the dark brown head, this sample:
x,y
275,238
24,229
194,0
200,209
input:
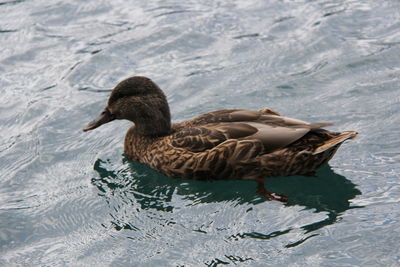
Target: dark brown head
x,y
141,101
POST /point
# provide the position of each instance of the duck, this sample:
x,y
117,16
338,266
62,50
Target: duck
x,y
219,145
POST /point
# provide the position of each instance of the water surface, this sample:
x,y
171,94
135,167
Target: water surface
x,y
70,198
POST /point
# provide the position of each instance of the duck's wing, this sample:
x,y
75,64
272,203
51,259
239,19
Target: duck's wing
x,y
229,115
270,130
201,138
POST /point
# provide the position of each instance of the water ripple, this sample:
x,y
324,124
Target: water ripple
x,y
71,198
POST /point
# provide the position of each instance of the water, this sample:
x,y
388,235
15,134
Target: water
x,y
70,198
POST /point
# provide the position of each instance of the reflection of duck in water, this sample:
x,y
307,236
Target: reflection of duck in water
x,y
136,183
224,144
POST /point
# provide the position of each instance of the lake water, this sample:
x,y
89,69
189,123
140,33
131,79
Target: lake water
x,y
69,198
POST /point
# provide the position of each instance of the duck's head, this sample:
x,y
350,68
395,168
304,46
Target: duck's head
x,y
141,101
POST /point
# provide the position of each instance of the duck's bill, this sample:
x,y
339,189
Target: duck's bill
x,y
103,118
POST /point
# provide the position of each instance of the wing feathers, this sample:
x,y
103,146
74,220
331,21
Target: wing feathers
x,y
265,126
318,125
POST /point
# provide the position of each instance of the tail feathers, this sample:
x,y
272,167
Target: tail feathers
x,y
343,136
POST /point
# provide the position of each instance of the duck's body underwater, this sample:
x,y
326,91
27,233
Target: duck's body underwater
x,y
224,144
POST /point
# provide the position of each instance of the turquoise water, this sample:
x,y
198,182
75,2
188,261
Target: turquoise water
x,y
69,198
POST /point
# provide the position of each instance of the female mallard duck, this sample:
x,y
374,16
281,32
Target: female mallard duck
x,y
224,144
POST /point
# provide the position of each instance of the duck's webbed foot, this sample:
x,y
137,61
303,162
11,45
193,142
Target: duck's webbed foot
x,y
270,195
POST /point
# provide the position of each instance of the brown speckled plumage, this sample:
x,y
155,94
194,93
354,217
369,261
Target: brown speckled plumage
x,y
224,144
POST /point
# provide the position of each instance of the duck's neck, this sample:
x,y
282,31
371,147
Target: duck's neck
x,y
141,136
154,127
